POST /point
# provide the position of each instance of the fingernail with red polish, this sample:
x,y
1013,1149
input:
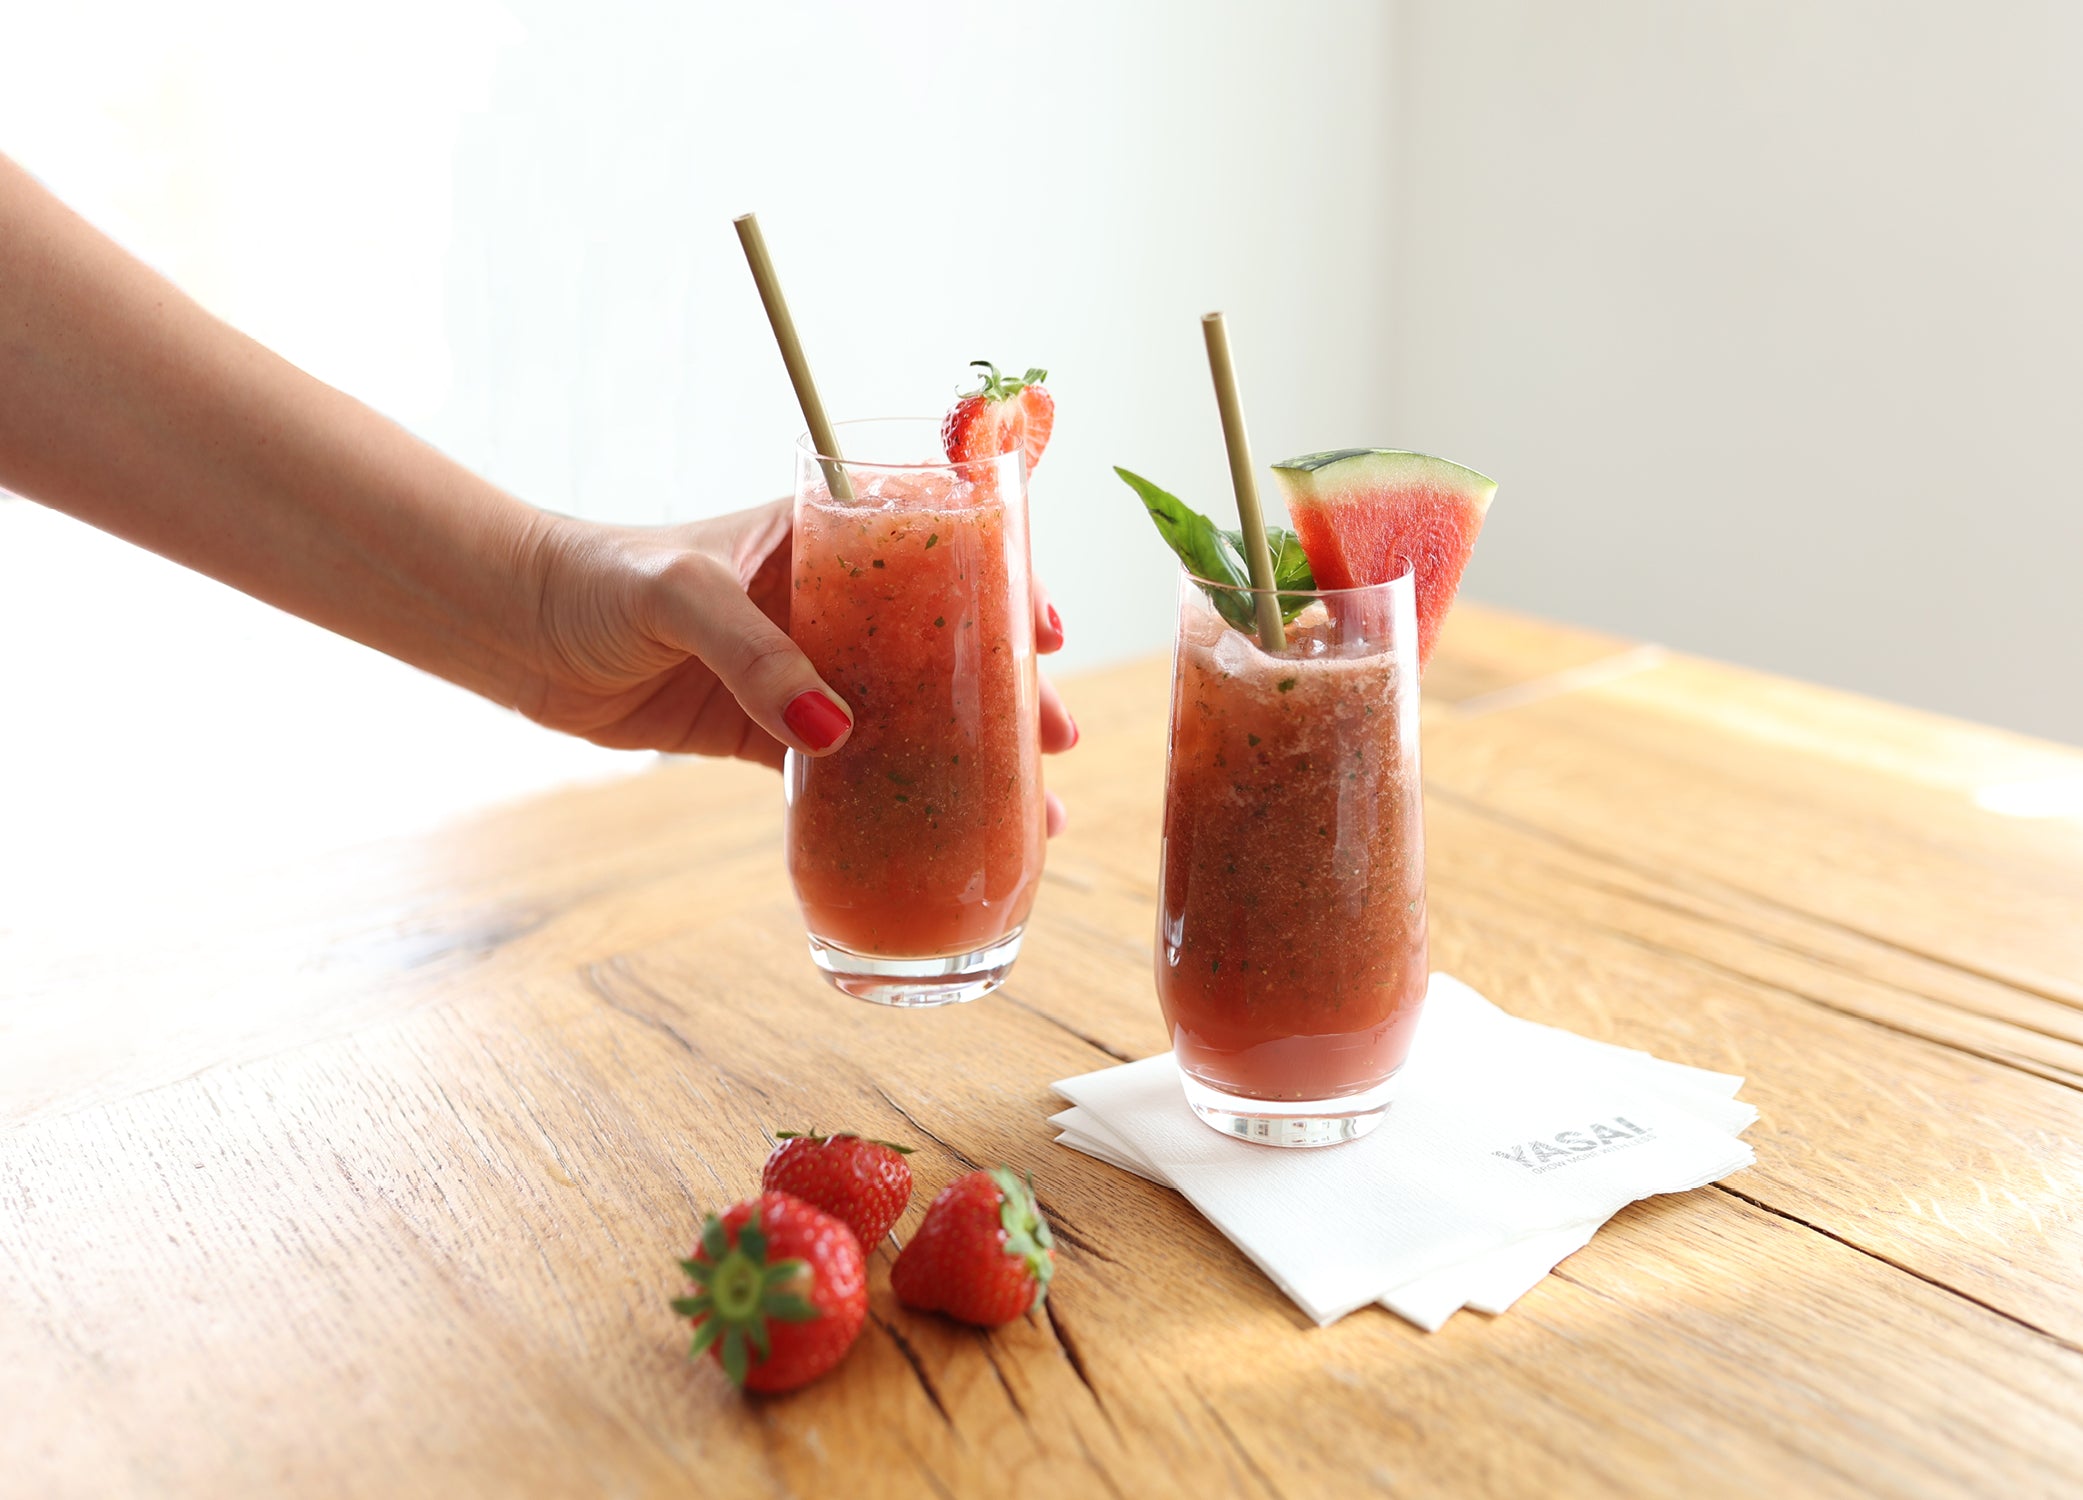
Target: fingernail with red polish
x,y
1073,729
817,721
1055,622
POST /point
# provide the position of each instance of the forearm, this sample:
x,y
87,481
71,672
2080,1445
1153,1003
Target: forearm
x,y
126,405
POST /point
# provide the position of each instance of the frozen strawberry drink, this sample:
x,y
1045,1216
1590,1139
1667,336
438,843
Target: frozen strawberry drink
x,y
916,848
1291,908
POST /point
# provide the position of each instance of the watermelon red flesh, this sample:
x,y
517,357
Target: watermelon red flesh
x,y
1360,512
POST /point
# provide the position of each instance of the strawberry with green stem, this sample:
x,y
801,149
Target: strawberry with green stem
x,y
1005,413
780,1292
864,1183
982,1255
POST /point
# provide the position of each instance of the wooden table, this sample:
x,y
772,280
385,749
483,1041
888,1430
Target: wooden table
x,y
367,1178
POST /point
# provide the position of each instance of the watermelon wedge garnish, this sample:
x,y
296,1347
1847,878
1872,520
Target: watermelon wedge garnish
x,y
1359,512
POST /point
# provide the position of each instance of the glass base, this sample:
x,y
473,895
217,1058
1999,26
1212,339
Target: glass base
x,y
917,982
1289,1122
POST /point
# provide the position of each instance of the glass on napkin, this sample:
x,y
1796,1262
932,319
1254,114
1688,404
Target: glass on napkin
x,y
1508,1145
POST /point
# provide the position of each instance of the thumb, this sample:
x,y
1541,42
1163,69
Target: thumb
x,y
704,609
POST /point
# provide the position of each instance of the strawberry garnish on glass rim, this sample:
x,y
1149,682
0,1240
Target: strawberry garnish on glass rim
x,y
1004,414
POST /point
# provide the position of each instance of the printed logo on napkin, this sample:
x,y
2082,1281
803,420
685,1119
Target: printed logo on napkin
x,y
1568,1147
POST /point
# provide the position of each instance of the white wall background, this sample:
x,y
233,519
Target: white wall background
x,y
1769,317
509,227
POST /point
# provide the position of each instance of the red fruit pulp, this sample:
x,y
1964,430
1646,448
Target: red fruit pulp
x,y
1361,513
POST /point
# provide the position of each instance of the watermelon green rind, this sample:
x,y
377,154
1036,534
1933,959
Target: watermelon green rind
x,y
1393,466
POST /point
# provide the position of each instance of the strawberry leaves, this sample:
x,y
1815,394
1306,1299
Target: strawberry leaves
x,y
997,387
737,1290
1026,1231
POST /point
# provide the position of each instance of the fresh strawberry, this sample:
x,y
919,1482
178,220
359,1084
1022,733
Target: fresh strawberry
x,y
982,1255
1004,413
780,1292
864,1183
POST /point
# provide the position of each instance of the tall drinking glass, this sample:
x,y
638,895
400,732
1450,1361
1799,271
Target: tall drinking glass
x,y
1291,904
916,848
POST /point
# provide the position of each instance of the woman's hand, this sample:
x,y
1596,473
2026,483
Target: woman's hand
x,y
125,404
676,638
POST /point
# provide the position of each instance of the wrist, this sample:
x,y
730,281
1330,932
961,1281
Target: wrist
x,y
548,553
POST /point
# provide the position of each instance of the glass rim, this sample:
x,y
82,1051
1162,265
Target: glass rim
x,y
807,447
1405,579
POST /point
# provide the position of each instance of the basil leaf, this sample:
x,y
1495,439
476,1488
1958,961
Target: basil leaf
x,y
1290,567
1217,555
1207,553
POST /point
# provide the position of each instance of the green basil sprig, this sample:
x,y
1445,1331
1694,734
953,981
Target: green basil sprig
x,y
1217,555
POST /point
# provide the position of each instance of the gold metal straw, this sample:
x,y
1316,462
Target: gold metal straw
x,y
1258,556
792,354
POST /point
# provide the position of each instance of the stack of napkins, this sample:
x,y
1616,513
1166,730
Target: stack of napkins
x,y
1507,1146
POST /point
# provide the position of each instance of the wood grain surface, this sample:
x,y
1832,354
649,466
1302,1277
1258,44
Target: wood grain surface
x,y
366,1178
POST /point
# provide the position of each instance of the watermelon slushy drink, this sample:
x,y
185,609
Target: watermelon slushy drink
x,y
916,848
1291,906
1291,898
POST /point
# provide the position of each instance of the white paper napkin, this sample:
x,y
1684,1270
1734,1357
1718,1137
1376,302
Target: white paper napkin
x,y
1508,1145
